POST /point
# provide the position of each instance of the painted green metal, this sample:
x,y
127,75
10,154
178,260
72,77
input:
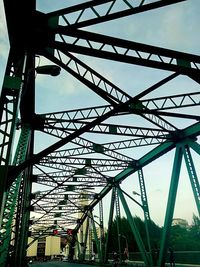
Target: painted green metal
x,y
118,218
13,192
22,241
39,39
80,243
80,21
96,239
145,206
192,175
102,234
9,107
78,246
85,238
170,204
147,159
27,110
160,150
134,229
195,146
8,222
90,237
110,220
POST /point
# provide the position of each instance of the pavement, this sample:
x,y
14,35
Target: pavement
x,y
75,264
141,264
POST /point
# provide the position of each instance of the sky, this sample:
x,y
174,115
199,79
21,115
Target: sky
x,y
175,27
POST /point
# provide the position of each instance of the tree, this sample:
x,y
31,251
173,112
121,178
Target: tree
x,y
125,230
181,238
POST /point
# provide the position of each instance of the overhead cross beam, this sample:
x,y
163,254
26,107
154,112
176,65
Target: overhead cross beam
x,y
74,163
189,133
104,10
116,49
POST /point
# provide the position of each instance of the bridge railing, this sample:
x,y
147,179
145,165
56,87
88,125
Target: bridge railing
x,y
182,257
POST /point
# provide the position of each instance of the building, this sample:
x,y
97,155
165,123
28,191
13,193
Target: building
x,y
181,222
49,246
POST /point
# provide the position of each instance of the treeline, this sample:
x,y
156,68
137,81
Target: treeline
x,y
181,238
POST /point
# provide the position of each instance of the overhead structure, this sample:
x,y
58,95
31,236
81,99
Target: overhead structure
x,y
65,151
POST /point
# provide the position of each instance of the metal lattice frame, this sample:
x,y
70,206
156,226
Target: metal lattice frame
x,y
79,162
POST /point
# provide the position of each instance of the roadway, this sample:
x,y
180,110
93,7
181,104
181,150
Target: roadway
x,y
68,264
57,264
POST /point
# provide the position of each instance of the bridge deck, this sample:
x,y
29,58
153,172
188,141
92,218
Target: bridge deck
x,y
73,264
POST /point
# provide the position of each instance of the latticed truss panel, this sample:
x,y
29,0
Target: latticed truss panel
x,y
130,121
126,98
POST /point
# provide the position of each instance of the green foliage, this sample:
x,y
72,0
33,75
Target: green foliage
x,y
195,228
178,237
181,238
125,231
186,239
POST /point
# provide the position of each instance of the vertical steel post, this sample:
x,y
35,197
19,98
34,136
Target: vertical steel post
x,y
9,215
193,176
95,235
117,205
9,107
145,206
27,111
170,204
110,220
134,229
86,238
90,236
102,234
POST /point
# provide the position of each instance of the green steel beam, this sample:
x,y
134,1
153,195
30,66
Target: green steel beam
x,y
156,103
78,246
193,176
148,158
170,204
126,51
190,132
195,146
111,9
96,239
12,197
145,206
134,229
102,234
9,107
110,221
37,157
24,216
27,111
105,128
85,238
86,235
109,91
118,218
21,239
90,232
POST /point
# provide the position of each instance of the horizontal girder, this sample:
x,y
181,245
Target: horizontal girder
x,y
84,164
104,10
111,48
156,103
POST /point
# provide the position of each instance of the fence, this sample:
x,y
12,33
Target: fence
x,y
184,257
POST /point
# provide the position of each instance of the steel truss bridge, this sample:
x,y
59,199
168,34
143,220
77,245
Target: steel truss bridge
x,y
90,151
